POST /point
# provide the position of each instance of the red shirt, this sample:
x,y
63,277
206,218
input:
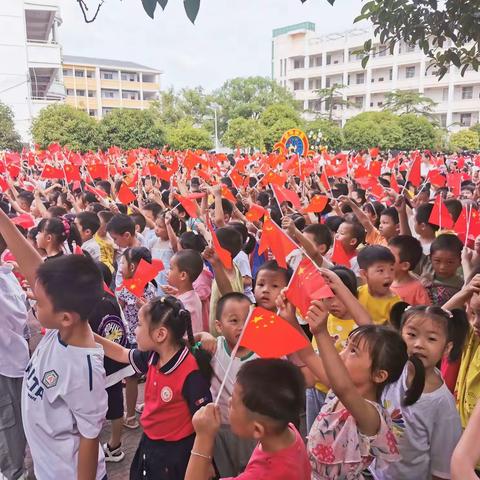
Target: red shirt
x,y
173,393
291,463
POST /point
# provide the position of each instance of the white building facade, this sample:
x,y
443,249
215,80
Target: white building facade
x,y
303,62
31,59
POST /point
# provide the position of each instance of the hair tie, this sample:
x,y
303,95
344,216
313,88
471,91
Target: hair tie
x,y
447,312
196,347
66,226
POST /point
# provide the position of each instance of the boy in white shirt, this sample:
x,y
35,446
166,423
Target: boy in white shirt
x,y
64,401
88,224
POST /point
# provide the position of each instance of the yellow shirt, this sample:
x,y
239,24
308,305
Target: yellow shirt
x,y
339,330
467,389
377,307
107,251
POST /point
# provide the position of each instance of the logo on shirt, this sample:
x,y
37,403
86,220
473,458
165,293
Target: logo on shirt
x,y
166,394
113,329
50,379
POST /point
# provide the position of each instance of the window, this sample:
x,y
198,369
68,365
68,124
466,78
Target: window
x,y
371,104
410,72
358,102
327,83
298,84
314,83
443,120
79,73
108,93
360,78
107,75
316,61
90,73
130,95
299,63
106,110
329,59
70,92
80,93
380,79
444,94
390,74
467,93
91,93
379,104
465,119
67,72
92,113
314,105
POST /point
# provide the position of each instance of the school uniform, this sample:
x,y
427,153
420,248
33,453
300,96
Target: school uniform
x,y
173,393
63,398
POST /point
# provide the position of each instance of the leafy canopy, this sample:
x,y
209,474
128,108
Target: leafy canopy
x,y
9,137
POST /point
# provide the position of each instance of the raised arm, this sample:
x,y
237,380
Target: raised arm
x,y
361,216
221,277
401,207
113,350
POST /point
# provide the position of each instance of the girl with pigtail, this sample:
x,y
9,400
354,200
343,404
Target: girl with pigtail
x,y
428,430
177,385
56,236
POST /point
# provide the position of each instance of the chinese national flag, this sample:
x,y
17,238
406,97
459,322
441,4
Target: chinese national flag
x,y
393,182
436,178
72,173
3,185
324,180
98,171
236,178
414,175
317,204
454,181
52,173
339,255
226,193
144,273
77,250
223,254
24,220
374,152
255,213
191,160
273,178
276,240
440,215
306,285
96,191
270,336
285,195
125,195
189,205
460,226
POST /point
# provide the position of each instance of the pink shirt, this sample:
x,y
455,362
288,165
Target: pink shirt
x,y
291,463
193,304
203,286
414,293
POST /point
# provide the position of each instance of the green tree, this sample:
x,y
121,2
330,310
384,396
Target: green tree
x,y
418,132
331,97
67,126
131,129
476,128
362,134
405,102
321,132
9,137
167,107
277,119
244,133
184,136
465,140
248,98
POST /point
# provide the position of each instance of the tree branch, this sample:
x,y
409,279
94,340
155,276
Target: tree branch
x,y
84,9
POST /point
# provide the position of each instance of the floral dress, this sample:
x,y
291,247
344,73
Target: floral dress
x,y
338,451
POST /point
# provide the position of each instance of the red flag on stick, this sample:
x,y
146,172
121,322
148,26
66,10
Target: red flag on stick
x,y
96,191
440,215
317,204
223,254
125,195
189,205
255,213
339,255
275,239
144,273
414,175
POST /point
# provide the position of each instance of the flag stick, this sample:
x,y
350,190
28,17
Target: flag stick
x,y
440,214
468,224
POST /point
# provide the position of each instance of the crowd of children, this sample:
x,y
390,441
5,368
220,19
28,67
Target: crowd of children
x,y
159,288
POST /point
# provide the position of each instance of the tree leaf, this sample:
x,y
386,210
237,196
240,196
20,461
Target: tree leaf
x,y
191,7
331,2
162,3
365,61
149,7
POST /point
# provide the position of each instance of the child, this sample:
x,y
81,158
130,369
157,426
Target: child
x,y
352,429
442,282
428,430
242,261
377,270
176,387
61,424
407,251
267,398
55,236
185,267
105,244
425,230
130,304
351,235
270,281
88,224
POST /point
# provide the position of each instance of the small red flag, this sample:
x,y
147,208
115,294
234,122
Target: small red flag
x,y
51,173
98,171
436,178
414,176
226,193
125,195
393,182
275,239
189,205
270,336
24,220
440,215
144,273
72,173
284,195
96,191
374,152
453,182
3,185
77,250
223,254
317,204
460,226
306,285
255,213
339,255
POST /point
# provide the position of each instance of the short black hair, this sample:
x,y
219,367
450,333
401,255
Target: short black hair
x,y
372,254
191,240
236,296
89,221
89,197
73,283
139,220
273,388
409,249
392,213
348,278
136,254
153,207
321,234
273,266
230,239
333,222
27,197
121,224
454,207
105,186
358,231
105,215
447,241
189,261
422,215
96,207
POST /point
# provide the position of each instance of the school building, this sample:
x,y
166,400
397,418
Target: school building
x,y
305,61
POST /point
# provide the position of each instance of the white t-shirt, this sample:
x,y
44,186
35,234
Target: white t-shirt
x,y
63,397
219,363
242,263
92,248
427,432
13,318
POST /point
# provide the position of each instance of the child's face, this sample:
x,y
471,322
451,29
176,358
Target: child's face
x,y
322,248
400,267
42,239
143,334
46,315
358,363
445,263
345,236
426,339
230,325
336,307
148,214
128,269
371,216
388,228
475,313
379,277
122,240
161,229
84,234
268,287
175,277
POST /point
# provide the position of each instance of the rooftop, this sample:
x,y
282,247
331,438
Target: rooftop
x,y
107,62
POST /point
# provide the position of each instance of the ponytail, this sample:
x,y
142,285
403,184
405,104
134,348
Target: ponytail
x,y
202,357
415,390
458,328
396,314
